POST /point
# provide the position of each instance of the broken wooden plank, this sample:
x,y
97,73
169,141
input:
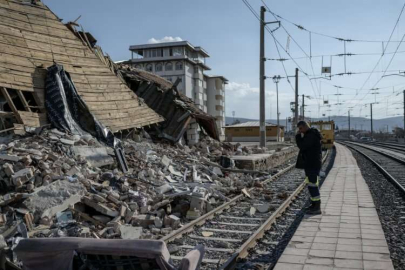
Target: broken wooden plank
x,y
11,104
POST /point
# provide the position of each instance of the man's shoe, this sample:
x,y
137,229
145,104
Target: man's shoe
x,y
314,209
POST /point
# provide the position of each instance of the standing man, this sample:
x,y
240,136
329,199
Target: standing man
x,y
310,159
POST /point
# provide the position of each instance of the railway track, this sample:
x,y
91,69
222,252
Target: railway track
x,y
392,167
230,230
391,146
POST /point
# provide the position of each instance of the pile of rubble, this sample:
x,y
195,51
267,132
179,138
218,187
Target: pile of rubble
x,y
55,185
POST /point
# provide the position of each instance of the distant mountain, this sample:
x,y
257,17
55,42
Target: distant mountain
x,y
357,123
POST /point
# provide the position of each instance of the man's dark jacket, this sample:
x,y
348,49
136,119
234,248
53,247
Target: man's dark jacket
x,y
310,155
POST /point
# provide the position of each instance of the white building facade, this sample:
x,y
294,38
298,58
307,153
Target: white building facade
x,y
181,60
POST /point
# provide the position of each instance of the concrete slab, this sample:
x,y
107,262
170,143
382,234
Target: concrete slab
x,y
348,234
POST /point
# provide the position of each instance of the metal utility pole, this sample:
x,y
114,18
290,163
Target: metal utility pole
x,y
303,107
276,80
262,78
296,98
371,112
286,126
404,112
349,124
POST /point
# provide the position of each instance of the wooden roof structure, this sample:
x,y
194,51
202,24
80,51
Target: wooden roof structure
x,y
33,38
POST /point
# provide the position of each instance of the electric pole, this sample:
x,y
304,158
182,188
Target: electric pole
x,y
262,78
371,112
296,98
404,113
303,107
349,124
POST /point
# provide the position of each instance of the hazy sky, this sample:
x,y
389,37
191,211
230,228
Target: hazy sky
x,y
230,34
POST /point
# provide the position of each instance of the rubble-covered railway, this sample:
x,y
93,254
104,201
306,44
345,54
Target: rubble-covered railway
x,y
231,230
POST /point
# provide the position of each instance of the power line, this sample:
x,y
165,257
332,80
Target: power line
x,y
299,46
276,41
330,36
278,51
386,46
332,55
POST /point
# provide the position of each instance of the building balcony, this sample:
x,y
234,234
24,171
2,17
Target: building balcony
x,y
219,102
219,97
219,107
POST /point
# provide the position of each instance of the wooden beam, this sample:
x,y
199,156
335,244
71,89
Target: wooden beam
x,y
11,104
24,101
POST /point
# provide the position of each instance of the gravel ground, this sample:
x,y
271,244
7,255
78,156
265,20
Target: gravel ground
x,y
390,205
268,249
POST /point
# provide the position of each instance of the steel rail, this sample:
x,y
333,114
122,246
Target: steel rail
x,y
201,220
378,166
243,251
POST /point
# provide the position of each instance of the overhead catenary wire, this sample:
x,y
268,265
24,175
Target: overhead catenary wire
x,y
278,42
386,46
299,46
299,26
278,51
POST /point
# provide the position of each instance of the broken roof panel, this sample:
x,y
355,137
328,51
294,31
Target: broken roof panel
x,y
32,38
161,96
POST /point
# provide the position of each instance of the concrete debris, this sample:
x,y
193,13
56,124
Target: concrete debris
x,y
56,185
207,234
130,232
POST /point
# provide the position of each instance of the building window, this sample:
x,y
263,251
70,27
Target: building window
x,y
195,69
177,51
169,79
169,66
149,67
159,67
181,79
179,66
138,66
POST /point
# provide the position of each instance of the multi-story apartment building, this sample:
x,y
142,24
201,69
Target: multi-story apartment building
x,y
181,60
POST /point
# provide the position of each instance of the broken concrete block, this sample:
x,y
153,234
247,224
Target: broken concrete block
x,y
145,209
10,158
8,169
56,197
102,218
3,219
174,221
133,206
23,176
193,214
197,203
144,220
3,243
158,222
98,198
174,172
95,156
217,171
164,189
123,211
130,232
27,160
66,141
100,207
166,231
165,161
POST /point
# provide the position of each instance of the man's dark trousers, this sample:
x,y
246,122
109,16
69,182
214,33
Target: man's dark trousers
x,y
312,181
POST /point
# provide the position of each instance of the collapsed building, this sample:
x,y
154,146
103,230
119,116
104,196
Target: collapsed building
x,y
162,96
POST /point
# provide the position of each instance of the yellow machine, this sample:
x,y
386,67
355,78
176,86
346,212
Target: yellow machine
x,y
327,129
